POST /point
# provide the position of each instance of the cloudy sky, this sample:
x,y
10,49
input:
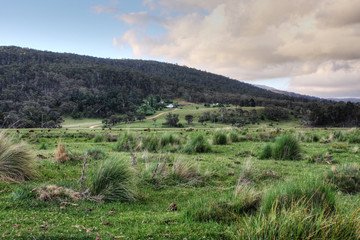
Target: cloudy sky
x,y
306,46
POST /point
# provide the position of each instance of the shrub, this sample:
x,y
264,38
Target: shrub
x,y
266,152
312,193
16,160
219,138
346,178
286,148
98,138
114,181
198,144
61,156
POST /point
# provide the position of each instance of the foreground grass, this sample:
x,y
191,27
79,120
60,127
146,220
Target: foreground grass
x,y
221,173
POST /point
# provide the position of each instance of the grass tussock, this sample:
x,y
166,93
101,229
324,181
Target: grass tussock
x,y
16,160
184,172
98,138
297,222
313,193
122,144
226,209
96,153
266,152
286,148
346,178
61,155
197,144
114,181
219,138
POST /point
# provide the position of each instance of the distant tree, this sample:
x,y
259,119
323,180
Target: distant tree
x,y
189,118
172,120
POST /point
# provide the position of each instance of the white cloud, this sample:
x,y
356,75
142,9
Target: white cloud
x,y
256,39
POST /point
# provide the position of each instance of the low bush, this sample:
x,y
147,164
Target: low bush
x,y
114,181
16,160
346,178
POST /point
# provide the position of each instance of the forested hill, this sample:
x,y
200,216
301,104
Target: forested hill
x,y
40,84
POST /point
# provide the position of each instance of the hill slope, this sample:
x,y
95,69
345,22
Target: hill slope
x,y
37,84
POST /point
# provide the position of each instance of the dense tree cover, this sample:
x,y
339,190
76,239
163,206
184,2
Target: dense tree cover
x,y
38,88
236,117
338,115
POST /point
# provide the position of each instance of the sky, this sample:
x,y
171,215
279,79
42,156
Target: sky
x,y
310,47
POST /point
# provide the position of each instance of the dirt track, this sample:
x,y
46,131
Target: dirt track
x,y
160,114
94,126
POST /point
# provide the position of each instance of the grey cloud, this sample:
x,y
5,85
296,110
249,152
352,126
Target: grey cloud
x,y
256,39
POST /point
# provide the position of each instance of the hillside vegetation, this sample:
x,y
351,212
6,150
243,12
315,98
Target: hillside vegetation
x,y
39,89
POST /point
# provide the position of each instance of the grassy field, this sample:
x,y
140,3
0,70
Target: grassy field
x,y
226,192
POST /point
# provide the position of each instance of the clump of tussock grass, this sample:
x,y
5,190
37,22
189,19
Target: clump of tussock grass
x,y
23,192
315,194
42,146
266,152
96,153
16,160
286,148
346,178
322,158
247,173
168,139
219,138
234,137
226,208
184,172
114,181
122,144
98,138
339,136
61,155
297,222
197,144
353,136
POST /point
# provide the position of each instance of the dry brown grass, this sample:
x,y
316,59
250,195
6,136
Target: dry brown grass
x,y
52,192
61,155
16,160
